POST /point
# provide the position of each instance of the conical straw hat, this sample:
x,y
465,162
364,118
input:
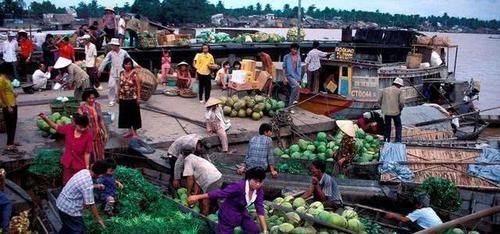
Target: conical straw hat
x,y
212,101
346,126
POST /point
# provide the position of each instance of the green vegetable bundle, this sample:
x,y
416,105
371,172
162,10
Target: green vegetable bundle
x,y
211,37
443,193
47,163
143,209
293,34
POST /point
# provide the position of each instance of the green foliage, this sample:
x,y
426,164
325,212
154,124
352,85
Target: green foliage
x,y
443,193
84,10
143,209
47,163
45,7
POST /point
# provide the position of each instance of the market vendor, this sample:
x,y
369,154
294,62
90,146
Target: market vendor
x,y
347,149
260,151
268,66
41,76
77,77
174,154
183,76
237,197
422,218
222,77
201,176
77,145
324,187
371,122
79,191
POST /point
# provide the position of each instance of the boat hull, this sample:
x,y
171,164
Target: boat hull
x,y
323,104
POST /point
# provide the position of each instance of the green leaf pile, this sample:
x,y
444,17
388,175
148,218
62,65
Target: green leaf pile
x,y
143,209
443,193
47,163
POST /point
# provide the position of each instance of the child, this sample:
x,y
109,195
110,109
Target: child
x,y
216,123
223,75
183,76
165,65
107,194
236,66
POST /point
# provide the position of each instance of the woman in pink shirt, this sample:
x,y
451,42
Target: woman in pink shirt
x,y
77,145
165,65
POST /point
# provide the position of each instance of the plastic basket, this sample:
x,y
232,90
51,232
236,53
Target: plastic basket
x,y
71,107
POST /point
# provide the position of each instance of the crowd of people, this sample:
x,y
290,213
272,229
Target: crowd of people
x,y
84,160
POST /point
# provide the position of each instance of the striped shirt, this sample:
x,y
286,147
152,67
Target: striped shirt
x,y
78,191
330,188
260,152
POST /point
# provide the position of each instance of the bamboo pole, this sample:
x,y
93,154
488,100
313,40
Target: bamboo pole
x,y
453,117
462,220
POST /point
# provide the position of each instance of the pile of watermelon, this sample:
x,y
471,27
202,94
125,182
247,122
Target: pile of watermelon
x,y
367,147
44,128
319,149
254,107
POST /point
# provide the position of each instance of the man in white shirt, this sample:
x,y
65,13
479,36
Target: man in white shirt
x,y
313,65
39,39
41,76
201,176
122,26
422,218
90,61
9,48
115,57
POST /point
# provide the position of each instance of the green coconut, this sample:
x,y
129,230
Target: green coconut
x,y
242,113
227,110
256,116
249,112
234,113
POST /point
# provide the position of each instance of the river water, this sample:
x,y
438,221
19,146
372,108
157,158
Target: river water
x,y
478,58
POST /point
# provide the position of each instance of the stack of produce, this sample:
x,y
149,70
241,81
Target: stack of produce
x,y
320,149
294,35
259,37
20,224
254,107
45,130
147,40
443,193
142,208
47,163
212,37
280,222
182,198
367,147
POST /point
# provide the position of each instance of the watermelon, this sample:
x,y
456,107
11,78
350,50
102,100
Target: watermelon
x,y
321,156
56,115
280,105
303,144
285,156
307,153
296,155
321,136
271,113
313,157
321,149
311,148
355,225
329,153
338,220
277,152
294,148
268,106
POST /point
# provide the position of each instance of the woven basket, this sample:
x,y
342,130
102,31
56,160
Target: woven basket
x,y
148,83
413,60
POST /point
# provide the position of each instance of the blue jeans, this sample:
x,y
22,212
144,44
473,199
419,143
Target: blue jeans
x,y
71,224
387,127
294,87
6,210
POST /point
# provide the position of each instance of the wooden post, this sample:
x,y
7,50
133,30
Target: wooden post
x,y
462,220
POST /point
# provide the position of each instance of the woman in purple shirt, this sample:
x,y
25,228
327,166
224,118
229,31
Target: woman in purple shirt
x,y
237,197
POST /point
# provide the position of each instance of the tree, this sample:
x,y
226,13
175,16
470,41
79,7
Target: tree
x,y
268,9
89,10
220,7
12,8
150,8
258,8
310,10
38,9
187,11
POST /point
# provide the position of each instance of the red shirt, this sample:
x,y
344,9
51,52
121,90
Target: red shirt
x,y
75,148
66,51
26,47
367,126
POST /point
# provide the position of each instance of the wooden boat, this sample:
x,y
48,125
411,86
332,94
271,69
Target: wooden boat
x,y
322,103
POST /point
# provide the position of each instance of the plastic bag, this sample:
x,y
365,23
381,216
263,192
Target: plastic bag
x,y
16,83
304,79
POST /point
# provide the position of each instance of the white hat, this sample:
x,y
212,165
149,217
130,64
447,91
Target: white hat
x,y
466,99
212,101
62,63
109,9
346,126
367,115
399,81
86,37
114,41
182,63
21,31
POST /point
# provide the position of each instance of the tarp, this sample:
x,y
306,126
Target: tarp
x,y
416,114
490,172
392,153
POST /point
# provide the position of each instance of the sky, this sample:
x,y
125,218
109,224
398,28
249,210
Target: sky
x,y
482,9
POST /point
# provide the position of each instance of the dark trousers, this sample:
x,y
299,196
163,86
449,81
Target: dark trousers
x,y
110,33
313,80
205,85
24,69
94,80
387,127
12,70
133,37
6,211
10,122
71,224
